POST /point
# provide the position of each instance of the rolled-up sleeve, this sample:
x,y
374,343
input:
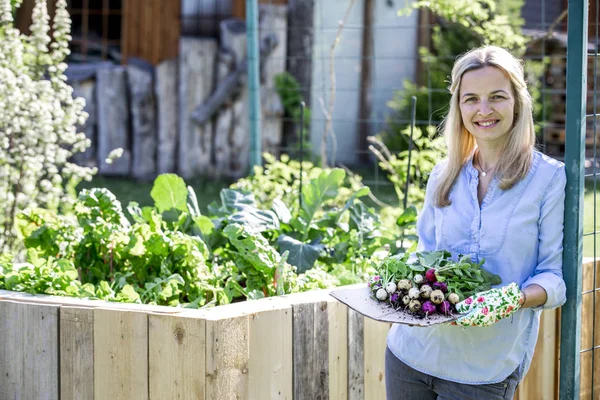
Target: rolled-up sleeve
x,y
548,273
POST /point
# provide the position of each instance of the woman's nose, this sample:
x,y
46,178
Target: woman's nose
x,y
484,108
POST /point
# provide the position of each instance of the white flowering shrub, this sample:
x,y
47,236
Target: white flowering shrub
x,y
38,118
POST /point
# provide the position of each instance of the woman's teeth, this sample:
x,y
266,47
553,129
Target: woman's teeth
x,y
486,123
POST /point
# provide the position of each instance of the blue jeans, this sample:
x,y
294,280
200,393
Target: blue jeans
x,y
405,383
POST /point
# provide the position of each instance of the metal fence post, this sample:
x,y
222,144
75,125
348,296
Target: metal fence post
x,y
573,230
253,81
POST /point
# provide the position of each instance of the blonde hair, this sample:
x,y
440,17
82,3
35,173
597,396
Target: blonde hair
x,y
515,159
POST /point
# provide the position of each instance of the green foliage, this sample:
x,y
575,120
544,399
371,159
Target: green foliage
x,y
39,118
428,149
463,25
289,91
171,254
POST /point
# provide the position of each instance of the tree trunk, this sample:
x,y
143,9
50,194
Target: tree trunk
x,y
366,96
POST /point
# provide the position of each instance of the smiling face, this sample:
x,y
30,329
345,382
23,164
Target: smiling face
x,y
487,104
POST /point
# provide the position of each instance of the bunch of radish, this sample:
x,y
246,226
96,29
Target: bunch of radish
x,y
421,295
429,282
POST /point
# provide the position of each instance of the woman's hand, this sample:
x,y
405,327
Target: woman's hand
x,y
487,308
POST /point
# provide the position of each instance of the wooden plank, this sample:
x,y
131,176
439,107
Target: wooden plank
x,y
76,302
311,353
270,355
120,355
227,356
238,9
177,357
174,26
541,380
76,353
375,334
590,327
29,351
356,359
338,350
125,23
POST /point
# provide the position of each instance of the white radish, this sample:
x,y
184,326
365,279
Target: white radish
x,y
381,294
414,293
418,279
390,287
453,298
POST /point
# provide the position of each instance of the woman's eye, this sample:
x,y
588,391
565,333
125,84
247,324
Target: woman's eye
x,y
470,99
497,97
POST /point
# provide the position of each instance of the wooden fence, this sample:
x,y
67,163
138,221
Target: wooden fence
x,y
302,346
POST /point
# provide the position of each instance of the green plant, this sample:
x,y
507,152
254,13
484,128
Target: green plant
x,y
462,25
428,149
172,254
289,90
38,120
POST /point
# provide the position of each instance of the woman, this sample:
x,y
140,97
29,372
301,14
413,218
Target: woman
x,y
495,198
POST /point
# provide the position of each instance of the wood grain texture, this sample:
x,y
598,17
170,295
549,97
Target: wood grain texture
x,y
311,353
76,353
120,355
270,357
375,334
227,355
356,360
337,314
29,352
177,358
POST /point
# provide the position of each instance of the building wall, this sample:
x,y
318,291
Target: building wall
x,y
395,50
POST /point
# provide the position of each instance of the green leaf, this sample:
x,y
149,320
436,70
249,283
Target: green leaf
x,y
364,220
319,190
301,255
281,210
169,191
407,218
256,220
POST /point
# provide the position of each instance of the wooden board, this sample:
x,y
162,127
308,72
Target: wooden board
x,y
177,357
375,334
311,353
120,355
337,314
29,352
227,355
359,299
545,362
356,360
76,353
270,362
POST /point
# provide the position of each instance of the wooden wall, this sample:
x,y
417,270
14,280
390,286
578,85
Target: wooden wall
x,y
151,29
238,7
302,346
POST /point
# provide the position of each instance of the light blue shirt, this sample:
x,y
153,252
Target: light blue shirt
x,y
519,233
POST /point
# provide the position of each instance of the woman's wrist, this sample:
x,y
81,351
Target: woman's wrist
x,y
533,296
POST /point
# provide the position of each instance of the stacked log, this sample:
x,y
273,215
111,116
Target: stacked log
x,y
196,72
166,102
87,90
231,139
143,122
113,120
187,115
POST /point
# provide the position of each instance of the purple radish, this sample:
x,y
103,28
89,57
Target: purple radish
x,y
430,275
428,307
445,307
440,286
